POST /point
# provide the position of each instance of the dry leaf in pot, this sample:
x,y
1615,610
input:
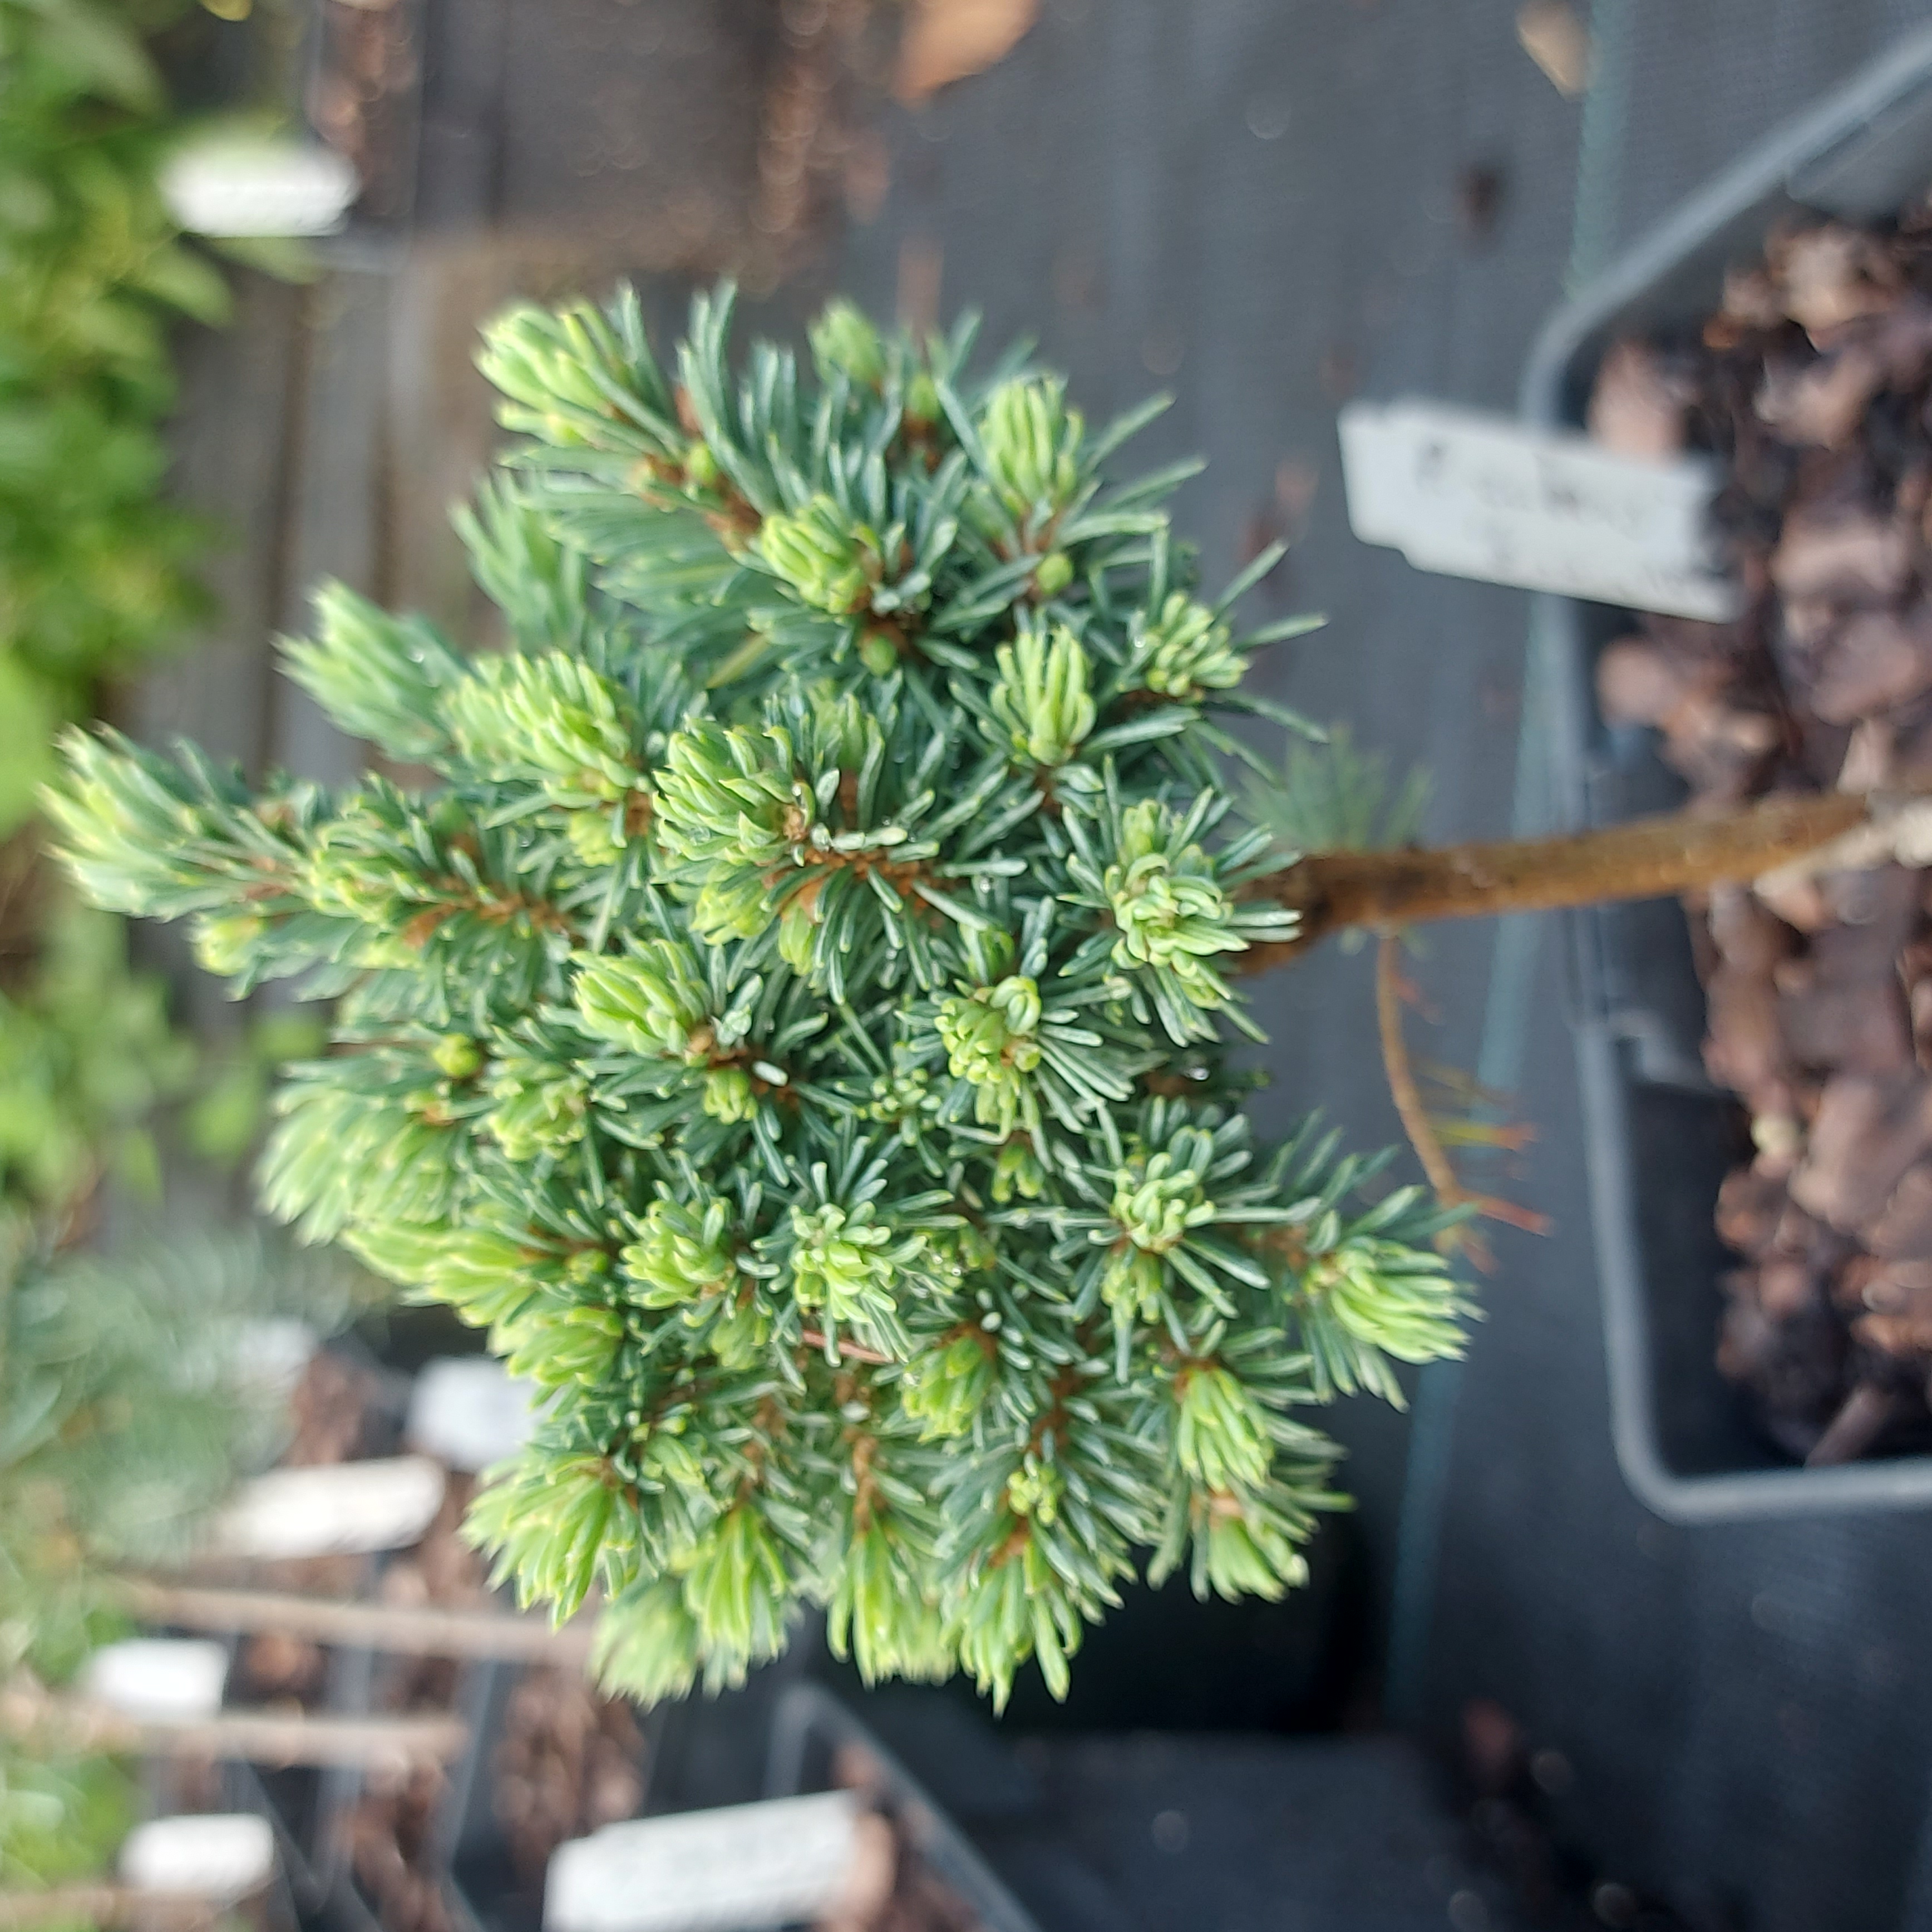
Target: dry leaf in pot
x,y
1812,386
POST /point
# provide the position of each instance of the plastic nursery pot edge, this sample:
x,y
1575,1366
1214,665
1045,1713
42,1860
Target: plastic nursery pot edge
x,y
1653,1130
811,1719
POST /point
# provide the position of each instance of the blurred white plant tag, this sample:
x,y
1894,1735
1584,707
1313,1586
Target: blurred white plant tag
x,y
334,1509
234,185
1471,495
469,1411
215,1854
270,1355
746,1868
158,1677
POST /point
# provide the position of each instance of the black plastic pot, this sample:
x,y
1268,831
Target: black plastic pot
x,y
301,1803
483,1886
1658,1136
811,1727
307,1807
485,1891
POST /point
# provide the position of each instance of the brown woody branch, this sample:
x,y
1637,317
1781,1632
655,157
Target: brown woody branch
x,y
1648,858
814,1338
406,1629
45,1720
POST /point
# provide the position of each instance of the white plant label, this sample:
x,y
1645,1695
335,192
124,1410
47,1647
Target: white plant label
x,y
469,1411
214,1855
333,1509
158,1677
1471,495
270,1355
239,187
747,1868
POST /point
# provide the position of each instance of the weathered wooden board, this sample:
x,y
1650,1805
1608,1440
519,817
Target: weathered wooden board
x,y
230,438
338,496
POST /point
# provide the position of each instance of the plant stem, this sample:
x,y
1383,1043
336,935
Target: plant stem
x,y
813,1338
40,1717
1407,1096
1423,1135
1648,858
402,1630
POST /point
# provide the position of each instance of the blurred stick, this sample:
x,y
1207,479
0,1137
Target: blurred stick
x,y
403,1629
36,1716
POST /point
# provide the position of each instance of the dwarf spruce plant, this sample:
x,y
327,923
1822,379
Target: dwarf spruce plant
x,y
783,997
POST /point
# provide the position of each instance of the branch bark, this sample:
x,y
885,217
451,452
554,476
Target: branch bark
x,y
402,1630
43,1718
1648,858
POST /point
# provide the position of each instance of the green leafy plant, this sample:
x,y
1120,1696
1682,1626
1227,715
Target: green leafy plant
x,y
121,1418
794,1024
136,1388
134,1391
98,567
86,1056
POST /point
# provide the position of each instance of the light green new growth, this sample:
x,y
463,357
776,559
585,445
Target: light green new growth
x,y
793,1024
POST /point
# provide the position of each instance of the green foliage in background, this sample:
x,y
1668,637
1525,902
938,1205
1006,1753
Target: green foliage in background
x,y
88,1059
135,1388
121,1418
224,1120
61,1818
86,1056
95,568
794,1024
134,1391
1332,797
